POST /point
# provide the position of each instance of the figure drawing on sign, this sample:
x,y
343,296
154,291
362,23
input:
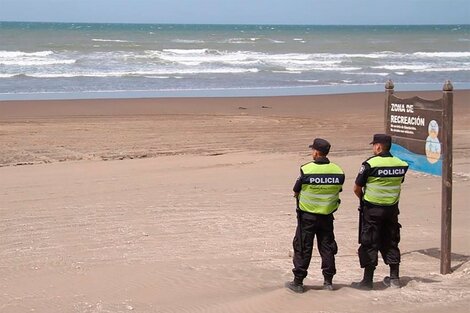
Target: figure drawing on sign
x,y
433,146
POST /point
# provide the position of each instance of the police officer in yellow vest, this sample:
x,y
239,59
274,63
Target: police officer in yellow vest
x,y
317,192
378,187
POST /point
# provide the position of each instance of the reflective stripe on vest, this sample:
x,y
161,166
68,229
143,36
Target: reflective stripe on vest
x,y
384,182
321,184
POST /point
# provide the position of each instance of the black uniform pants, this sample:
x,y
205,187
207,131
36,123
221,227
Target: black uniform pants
x,y
309,226
380,232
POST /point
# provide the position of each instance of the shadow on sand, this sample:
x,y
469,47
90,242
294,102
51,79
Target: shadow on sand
x,y
405,280
378,284
436,253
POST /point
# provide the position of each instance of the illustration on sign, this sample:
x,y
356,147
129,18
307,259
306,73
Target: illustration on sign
x,y
433,146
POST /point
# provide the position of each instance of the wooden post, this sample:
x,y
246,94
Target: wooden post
x,y
388,93
446,213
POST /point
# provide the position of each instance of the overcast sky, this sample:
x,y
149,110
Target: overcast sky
x,y
240,11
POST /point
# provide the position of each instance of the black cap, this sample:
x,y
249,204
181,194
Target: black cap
x,y
321,145
382,138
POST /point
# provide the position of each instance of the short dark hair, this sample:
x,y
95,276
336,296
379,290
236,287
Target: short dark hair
x,y
385,146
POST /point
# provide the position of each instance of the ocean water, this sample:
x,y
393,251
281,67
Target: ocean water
x,y
61,60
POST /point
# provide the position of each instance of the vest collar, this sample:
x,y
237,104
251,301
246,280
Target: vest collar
x,y
385,154
322,160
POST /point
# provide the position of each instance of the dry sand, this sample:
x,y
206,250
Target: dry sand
x,y
193,209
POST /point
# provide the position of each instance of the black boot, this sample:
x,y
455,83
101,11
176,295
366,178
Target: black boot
x,y
328,282
367,282
296,285
393,281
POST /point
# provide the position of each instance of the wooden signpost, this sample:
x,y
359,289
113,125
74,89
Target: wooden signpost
x,y
421,133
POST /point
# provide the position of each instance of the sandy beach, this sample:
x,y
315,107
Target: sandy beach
x,y
185,205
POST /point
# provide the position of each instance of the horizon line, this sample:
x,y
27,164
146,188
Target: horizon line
x,y
230,24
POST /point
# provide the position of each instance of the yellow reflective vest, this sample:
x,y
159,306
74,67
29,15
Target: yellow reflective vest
x,y
321,185
383,184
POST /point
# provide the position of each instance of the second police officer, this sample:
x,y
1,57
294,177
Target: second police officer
x,y
378,187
